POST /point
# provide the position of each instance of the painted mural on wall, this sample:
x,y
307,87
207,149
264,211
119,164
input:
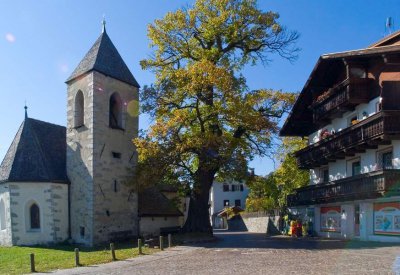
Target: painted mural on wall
x,y
330,219
387,218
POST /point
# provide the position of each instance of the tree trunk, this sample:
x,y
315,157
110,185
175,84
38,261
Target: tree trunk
x,y
198,219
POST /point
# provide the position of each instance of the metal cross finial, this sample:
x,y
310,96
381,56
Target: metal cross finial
x,y
26,110
103,22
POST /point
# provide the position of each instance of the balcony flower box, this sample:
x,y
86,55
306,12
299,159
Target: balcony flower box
x,y
324,134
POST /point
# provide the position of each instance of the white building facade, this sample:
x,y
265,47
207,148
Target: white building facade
x,y
226,194
349,110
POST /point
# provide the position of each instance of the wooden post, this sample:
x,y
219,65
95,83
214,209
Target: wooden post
x,y
112,248
77,257
169,240
139,244
33,262
161,243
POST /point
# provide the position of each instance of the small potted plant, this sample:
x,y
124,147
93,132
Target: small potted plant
x,y
324,134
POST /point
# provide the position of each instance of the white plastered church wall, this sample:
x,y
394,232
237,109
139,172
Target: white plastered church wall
x,y
52,200
5,216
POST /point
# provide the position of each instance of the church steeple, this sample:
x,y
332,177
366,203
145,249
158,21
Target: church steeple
x,y
104,58
103,24
101,155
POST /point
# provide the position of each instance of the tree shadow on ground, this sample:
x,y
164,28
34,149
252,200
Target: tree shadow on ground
x,y
262,241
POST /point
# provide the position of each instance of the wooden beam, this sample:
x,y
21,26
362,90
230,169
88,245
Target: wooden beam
x,y
349,152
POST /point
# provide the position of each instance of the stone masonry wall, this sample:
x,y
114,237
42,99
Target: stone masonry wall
x,y
115,204
80,161
255,223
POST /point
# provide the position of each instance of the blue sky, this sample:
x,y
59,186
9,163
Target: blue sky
x,y
42,41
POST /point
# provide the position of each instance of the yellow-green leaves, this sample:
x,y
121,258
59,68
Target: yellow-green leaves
x,y
205,119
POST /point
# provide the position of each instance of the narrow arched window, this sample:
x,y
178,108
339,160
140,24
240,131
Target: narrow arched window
x,y
79,109
2,215
34,213
115,111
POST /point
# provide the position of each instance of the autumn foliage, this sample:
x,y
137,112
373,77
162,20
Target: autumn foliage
x,y
206,121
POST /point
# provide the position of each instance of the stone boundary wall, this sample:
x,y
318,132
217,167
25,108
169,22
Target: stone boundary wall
x,y
255,223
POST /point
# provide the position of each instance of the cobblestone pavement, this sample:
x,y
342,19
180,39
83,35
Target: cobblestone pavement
x,y
246,253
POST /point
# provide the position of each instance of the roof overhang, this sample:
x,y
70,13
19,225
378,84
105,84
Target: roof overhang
x,y
299,121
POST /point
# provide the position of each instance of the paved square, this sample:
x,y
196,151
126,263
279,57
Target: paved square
x,y
246,253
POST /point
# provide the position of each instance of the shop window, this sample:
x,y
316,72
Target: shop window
x,y
237,203
330,219
387,218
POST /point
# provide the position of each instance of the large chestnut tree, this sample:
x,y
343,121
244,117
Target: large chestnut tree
x,y
207,123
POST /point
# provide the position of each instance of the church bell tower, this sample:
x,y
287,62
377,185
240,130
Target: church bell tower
x,y
102,120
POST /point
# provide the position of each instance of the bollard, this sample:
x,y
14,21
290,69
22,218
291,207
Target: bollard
x,y
161,243
77,257
139,244
112,248
169,240
33,262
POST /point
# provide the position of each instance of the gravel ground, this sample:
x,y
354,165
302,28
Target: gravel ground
x,y
246,253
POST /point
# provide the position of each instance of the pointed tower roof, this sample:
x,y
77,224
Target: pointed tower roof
x,y
37,154
104,58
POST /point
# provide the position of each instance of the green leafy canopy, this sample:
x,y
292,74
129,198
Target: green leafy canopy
x,y
268,193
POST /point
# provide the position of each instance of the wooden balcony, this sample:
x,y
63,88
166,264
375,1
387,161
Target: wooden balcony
x,y
365,186
375,130
341,98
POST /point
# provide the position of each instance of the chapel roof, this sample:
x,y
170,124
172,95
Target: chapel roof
x,y
37,154
103,57
152,203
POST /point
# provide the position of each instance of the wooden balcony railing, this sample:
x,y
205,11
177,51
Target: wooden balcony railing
x,y
342,98
377,129
365,186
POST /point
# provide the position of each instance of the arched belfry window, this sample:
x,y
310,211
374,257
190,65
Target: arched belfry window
x,y
34,215
2,215
79,109
115,111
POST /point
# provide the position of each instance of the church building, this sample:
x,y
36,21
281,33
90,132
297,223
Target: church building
x,y
72,183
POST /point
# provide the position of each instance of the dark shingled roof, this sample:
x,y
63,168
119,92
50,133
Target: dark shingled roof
x,y
168,188
152,203
103,57
37,154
